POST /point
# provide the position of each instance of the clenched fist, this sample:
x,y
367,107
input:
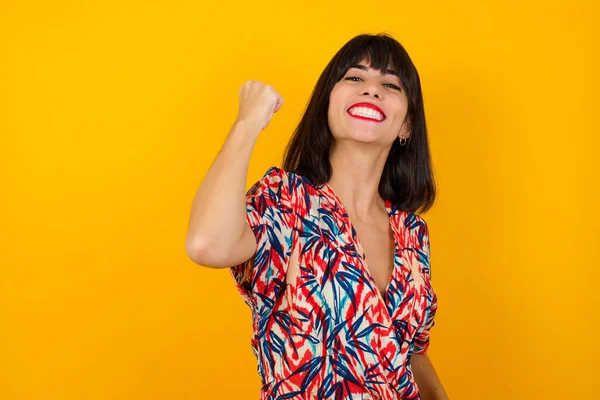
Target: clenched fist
x,y
258,103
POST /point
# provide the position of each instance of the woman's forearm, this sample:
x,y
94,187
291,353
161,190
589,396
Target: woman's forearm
x,y
217,218
427,380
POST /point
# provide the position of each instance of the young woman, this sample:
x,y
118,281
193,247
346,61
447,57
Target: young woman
x,y
328,251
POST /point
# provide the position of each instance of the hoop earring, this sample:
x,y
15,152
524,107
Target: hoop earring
x,y
401,141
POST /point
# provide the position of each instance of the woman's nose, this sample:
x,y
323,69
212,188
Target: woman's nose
x,y
370,88
374,94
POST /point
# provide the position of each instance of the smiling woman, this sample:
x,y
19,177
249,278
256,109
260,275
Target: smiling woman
x,y
380,67
328,322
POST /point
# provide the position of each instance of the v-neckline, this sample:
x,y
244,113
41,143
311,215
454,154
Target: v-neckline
x,y
356,241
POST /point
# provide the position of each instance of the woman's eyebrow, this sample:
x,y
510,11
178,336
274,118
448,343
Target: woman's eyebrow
x,y
364,68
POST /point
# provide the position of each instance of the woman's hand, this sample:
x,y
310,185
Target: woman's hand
x,y
258,103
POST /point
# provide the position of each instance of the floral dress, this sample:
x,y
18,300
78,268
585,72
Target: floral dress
x,y
331,333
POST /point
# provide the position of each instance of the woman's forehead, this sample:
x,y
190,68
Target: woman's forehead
x,y
365,66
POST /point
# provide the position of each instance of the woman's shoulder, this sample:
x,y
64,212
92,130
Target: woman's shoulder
x,y
277,188
275,174
275,181
278,178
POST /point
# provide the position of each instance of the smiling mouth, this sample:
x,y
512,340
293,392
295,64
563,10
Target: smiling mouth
x,y
366,114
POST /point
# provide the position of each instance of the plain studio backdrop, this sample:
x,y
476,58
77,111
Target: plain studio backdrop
x,y
111,113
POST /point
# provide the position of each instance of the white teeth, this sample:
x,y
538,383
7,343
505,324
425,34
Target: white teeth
x,y
366,112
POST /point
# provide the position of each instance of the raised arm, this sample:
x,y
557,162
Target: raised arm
x,y
218,235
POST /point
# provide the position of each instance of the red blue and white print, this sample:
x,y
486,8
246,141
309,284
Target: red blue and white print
x,y
331,334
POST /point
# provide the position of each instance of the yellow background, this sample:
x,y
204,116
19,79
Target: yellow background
x,y
111,113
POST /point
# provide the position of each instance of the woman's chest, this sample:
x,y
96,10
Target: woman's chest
x,y
335,294
354,266
376,241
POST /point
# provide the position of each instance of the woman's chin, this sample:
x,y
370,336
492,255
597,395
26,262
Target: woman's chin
x,y
361,134
367,136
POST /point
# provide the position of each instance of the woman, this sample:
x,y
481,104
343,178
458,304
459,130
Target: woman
x,y
334,316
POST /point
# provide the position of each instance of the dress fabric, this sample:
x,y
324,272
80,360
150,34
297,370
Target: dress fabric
x,y
331,334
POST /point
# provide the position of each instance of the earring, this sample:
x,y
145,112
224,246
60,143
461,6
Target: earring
x,y
401,142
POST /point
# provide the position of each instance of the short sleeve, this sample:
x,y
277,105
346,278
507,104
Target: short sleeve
x,y
270,215
421,341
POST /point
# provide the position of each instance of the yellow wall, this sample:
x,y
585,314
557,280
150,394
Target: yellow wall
x,y
111,113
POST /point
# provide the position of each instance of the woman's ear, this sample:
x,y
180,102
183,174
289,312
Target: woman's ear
x,y
405,129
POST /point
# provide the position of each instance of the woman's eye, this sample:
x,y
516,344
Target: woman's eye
x,y
393,86
352,78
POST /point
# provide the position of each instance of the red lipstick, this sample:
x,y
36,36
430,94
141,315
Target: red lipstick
x,y
367,105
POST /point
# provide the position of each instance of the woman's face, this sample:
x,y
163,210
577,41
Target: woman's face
x,y
380,118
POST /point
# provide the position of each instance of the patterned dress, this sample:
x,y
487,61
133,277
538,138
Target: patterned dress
x,y
331,334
